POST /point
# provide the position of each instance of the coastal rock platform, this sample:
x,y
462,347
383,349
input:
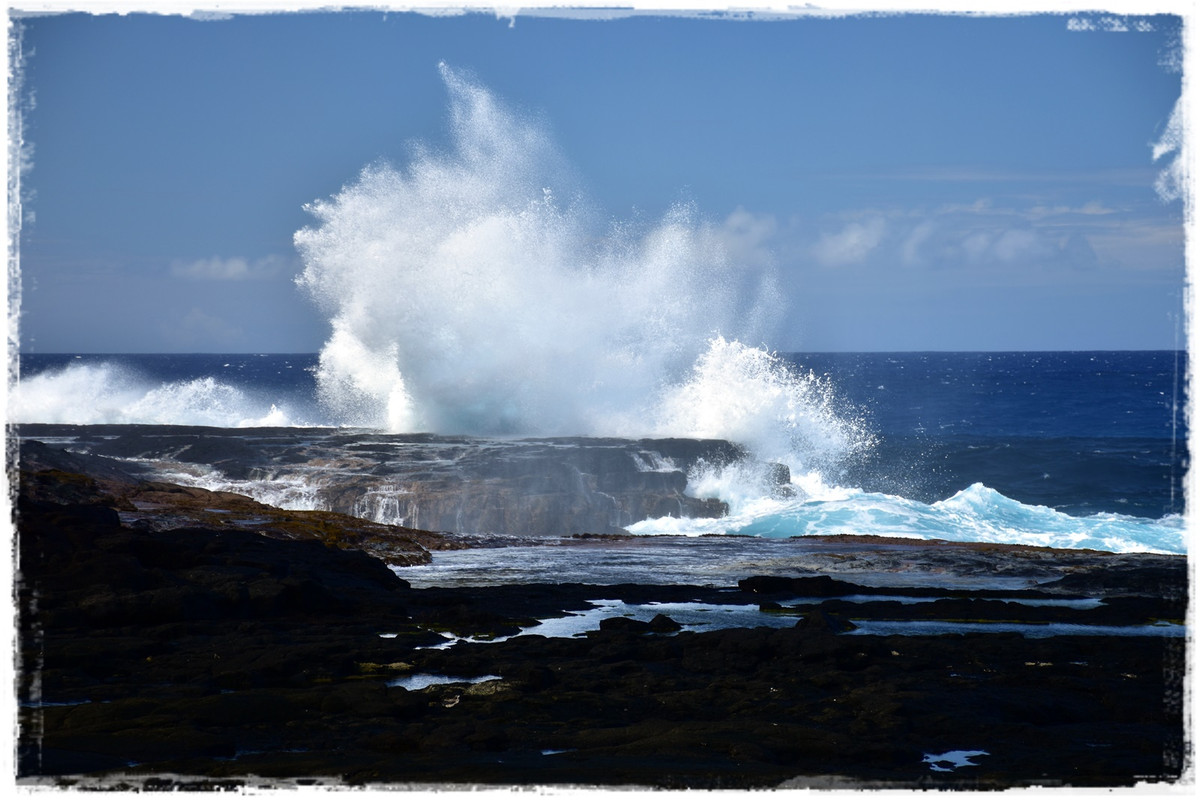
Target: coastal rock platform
x,y
527,487
235,648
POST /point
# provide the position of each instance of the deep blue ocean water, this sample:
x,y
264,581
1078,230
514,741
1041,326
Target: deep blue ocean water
x,y
1083,449
1080,432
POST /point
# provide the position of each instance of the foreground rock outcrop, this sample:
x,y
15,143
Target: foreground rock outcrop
x,y
54,476
212,656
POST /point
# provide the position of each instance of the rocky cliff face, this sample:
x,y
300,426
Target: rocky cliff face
x,y
527,487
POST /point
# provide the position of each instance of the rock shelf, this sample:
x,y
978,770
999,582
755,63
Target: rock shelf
x,y
172,638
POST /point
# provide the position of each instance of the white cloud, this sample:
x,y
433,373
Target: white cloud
x,y
910,251
1093,208
852,244
1020,244
1032,233
750,238
228,269
976,245
752,227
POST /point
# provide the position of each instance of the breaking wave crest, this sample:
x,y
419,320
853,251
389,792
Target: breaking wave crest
x,y
107,393
975,514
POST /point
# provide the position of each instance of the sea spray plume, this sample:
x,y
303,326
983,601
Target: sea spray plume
x,y
465,297
753,397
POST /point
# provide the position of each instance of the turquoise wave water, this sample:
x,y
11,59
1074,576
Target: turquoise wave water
x,y
975,514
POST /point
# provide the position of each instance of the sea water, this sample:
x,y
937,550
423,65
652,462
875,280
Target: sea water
x,y
1062,449
475,290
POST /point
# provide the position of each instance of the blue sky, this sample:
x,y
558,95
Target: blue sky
x,y
917,182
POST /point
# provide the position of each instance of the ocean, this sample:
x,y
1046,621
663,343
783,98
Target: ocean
x,y
1062,449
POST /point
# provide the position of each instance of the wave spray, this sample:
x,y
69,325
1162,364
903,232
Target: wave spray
x,y
473,291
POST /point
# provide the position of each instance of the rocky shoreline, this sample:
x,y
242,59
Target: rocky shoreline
x,y
175,638
519,487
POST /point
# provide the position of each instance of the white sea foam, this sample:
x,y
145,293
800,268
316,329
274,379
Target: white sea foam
x,y
383,505
292,492
753,397
107,393
975,514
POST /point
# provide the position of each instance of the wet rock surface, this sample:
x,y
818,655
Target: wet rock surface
x,y
528,487
52,475
210,656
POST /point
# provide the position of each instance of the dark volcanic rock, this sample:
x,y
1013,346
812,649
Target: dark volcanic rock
x,y
241,661
661,623
825,621
48,475
819,586
528,487
84,568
